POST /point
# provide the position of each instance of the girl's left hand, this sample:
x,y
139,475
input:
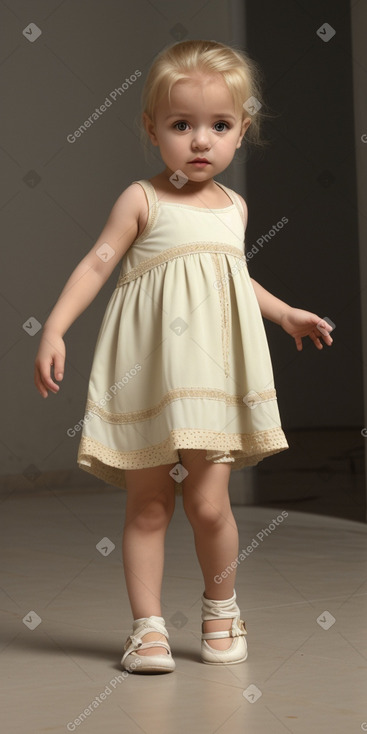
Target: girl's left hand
x,y
299,323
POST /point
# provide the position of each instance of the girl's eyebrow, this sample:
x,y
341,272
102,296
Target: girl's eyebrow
x,y
228,115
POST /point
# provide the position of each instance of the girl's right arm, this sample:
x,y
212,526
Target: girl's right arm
x,y
84,284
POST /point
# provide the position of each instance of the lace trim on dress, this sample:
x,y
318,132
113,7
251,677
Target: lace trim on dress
x,y
224,310
251,399
172,252
109,464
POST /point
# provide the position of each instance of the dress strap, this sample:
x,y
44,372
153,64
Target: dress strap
x,y
153,203
235,199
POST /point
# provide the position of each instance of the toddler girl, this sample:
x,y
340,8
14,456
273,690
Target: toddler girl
x,y
181,387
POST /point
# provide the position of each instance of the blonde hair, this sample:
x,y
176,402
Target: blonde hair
x,y
241,74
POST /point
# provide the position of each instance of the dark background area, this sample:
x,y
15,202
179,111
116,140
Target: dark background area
x,y
308,175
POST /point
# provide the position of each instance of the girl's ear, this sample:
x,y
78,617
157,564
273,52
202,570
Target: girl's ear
x,y
150,129
246,124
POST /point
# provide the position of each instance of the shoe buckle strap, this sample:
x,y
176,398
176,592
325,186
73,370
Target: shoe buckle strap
x,y
238,630
215,635
133,641
155,643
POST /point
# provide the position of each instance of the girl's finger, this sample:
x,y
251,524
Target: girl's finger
x,y
48,384
298,343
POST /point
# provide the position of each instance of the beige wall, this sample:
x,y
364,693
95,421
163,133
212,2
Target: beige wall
x,y
56,195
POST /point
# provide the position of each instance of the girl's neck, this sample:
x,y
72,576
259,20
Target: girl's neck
x,y
189,189
212,196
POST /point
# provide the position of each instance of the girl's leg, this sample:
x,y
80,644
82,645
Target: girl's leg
x,y
207,506
149,508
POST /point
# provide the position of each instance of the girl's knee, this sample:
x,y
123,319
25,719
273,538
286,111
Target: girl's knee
x,y
151,513
201,512
205,490
151,497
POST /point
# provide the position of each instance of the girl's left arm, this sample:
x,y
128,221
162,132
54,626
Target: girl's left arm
x,y
271,307
295,321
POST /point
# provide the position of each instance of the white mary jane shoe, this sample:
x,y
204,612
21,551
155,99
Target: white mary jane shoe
x,y
223,609
135,663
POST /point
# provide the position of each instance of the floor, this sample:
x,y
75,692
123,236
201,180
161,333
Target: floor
x,y
302,591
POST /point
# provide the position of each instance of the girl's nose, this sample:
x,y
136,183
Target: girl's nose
x,y
201,138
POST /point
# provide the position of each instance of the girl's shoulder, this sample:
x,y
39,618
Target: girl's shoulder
x,y
244,207
141,199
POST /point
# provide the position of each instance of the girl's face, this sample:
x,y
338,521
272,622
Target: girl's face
x,y
200,123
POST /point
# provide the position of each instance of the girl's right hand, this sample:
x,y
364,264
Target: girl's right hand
x,y
51,352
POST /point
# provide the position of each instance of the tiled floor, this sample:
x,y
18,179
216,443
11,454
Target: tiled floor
x,y
302,592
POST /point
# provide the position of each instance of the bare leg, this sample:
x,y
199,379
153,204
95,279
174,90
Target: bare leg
x,y
149,508
207,506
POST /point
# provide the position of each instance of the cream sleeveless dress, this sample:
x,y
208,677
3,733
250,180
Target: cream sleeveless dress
x,y
181,359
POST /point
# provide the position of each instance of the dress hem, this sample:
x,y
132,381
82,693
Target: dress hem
x,y
241,450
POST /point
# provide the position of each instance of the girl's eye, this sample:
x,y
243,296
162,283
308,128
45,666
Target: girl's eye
x,y
181,122
222,123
